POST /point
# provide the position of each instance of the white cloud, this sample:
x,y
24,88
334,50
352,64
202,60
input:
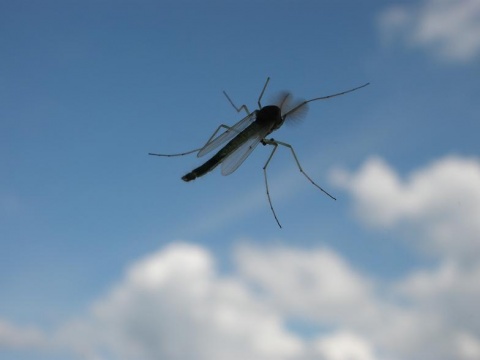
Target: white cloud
x,y
441,200
440,205
175,305
312,284
450,27
452,289
319,286
469,346
344,346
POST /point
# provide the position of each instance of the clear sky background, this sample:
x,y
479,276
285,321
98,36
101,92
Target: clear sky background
x,y
106,254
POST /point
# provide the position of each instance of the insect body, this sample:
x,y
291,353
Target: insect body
x,y
267,119
242,138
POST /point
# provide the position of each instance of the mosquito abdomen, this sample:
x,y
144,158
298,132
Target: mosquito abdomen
x,y
221,155
205,168
189,177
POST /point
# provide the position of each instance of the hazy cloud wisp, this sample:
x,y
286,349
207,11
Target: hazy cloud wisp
x,y
451,28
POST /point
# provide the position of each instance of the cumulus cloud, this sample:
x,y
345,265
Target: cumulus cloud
x,y
441,200
370,319
344,346
450,27
176,305
315,284
451,289
440,206
173,305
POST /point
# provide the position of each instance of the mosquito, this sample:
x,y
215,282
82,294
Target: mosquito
x,y
245,135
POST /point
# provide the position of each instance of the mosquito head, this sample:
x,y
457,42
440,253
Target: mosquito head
x,y
270,116
291,108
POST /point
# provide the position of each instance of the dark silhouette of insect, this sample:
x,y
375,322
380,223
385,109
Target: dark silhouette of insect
x,y
245,135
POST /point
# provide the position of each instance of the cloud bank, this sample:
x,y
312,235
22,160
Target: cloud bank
x,y
440,201
176,304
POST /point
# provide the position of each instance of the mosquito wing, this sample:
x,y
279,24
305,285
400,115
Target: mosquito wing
x,y
228,134
234,160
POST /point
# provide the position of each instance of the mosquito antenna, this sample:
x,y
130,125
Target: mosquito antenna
x,y
261,94
325,97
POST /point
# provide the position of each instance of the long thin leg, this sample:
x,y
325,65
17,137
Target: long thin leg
x,y
265,176
275,143
192,151
261,94
244,107
215,133
179,154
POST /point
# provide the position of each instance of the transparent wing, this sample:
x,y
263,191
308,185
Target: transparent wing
x,y
293,110
228,134
233,161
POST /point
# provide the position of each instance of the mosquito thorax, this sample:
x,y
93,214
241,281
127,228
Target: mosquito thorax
x,y
270,115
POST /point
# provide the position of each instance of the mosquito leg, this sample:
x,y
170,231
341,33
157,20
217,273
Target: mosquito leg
x,y
275,142
261,94
265,142
195,150
215,133
244,107
179,154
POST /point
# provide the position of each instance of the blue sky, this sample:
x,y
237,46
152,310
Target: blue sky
x,y
106,254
